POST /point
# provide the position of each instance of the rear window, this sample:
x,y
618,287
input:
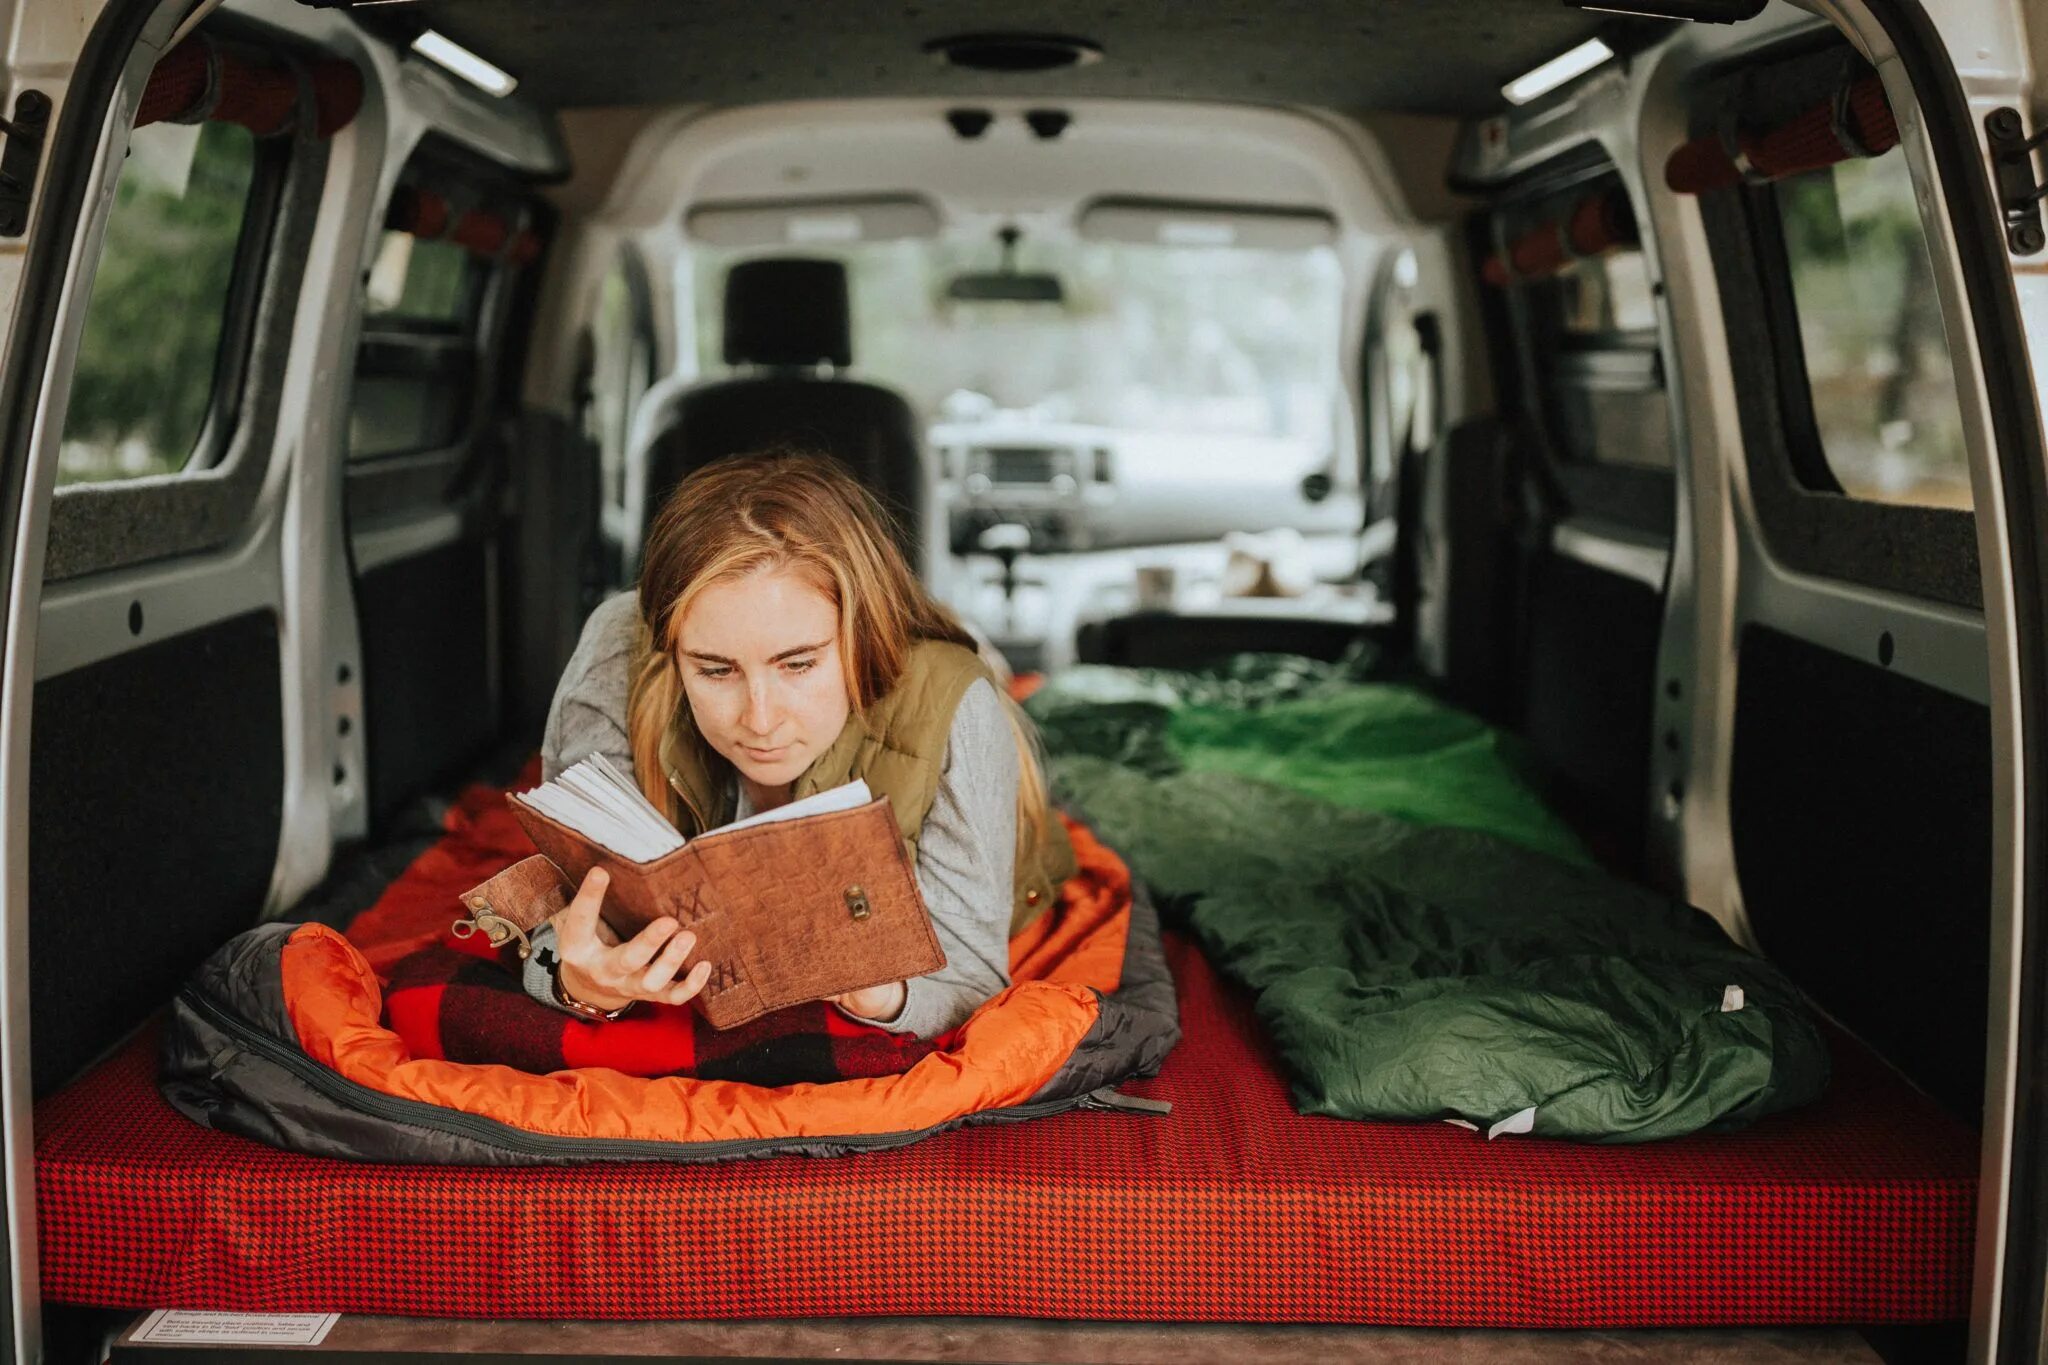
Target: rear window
x,y
1877,366
153,383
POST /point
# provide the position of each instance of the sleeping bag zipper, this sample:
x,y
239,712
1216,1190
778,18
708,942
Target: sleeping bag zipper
x,y
438,1118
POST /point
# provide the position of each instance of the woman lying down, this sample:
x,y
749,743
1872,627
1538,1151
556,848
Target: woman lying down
x,y
779,645
779,635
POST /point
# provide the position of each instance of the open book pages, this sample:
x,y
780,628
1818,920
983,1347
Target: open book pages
x,y
603,805
850,796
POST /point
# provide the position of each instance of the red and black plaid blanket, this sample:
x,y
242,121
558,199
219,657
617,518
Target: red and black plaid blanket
x,y
458,1004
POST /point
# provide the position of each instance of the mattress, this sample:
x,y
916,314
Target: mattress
x,y
1232,1208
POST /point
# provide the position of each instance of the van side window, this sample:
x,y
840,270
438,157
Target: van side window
x,y
622,336
159,359
1878,375
1851,426
423,282
443,250
1591,332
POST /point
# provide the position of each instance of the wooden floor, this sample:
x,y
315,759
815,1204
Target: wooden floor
x,y
1008,1340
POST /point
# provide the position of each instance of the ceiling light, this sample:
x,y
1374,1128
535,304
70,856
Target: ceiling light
x,y
464,63
1557,71
1695,11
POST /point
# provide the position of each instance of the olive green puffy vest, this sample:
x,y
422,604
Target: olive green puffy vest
x,y
897,747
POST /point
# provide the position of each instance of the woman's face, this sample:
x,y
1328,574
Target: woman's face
x,y
761,668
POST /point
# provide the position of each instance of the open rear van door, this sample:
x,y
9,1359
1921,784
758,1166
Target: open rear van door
x,y
253,486
1969,72
68,69
182,691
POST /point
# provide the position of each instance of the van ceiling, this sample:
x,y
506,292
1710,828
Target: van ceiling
x,y
1416,56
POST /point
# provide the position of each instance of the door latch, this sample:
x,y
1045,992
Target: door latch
x,y
20,157
2019,197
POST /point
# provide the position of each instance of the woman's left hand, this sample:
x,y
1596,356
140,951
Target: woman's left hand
x,y
878,1003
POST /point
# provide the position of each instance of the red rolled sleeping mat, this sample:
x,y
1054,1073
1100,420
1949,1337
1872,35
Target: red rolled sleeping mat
x,y
1857,121
430,217
1594,223
200,79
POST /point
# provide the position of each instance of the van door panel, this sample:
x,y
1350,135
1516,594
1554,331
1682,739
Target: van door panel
x,y
1860,809
178,740
1591,683
428,694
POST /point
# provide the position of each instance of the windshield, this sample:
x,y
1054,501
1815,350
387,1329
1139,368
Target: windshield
x,y
1211,341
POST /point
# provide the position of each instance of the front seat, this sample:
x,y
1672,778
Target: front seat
x,y
786,319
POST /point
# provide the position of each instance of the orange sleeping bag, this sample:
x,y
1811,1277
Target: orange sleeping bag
x,y
279,1037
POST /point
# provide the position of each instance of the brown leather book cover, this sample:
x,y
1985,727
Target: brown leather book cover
x,y
786,911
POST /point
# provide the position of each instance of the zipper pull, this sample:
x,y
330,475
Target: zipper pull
x,y
1110,1098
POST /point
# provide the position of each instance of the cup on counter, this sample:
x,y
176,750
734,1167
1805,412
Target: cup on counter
x,y
1155,587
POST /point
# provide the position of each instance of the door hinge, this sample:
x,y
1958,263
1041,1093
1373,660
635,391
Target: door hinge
x,y
2019,196
19,158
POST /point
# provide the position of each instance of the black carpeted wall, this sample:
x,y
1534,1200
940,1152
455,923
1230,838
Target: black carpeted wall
x,y
428,701
157,781
1591,682
1861,813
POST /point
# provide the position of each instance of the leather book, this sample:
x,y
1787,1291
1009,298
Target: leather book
x,y
786,911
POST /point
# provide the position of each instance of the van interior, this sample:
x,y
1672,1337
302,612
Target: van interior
x,y
1646,409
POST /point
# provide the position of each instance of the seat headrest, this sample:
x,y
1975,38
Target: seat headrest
x,y
787,311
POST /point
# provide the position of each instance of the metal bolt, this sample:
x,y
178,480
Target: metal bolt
x,y
2004,123
2027,238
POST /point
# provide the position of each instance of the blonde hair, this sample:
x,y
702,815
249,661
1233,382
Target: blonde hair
x,y
791,510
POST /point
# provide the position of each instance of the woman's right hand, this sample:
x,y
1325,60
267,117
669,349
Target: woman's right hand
x,y
597,969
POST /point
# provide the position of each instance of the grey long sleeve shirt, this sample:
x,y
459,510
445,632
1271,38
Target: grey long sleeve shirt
x,y
966,851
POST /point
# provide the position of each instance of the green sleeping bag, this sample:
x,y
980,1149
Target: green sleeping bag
x,y
1451,955
1312,727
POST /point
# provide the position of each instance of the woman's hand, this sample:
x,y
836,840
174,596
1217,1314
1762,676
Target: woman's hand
x,y
597,969
878,1003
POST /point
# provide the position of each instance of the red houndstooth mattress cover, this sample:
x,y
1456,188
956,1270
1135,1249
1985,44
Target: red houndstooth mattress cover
x,y
1233,1207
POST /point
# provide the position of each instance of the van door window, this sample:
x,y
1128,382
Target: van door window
x,y
1878,374
194,296
1590,325
423,309
622,368
421,281
1411,381
1851,423
158,361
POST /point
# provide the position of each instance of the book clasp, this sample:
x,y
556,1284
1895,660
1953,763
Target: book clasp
x,y
496,929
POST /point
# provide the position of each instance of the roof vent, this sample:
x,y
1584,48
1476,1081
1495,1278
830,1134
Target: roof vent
x,y
1013,52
